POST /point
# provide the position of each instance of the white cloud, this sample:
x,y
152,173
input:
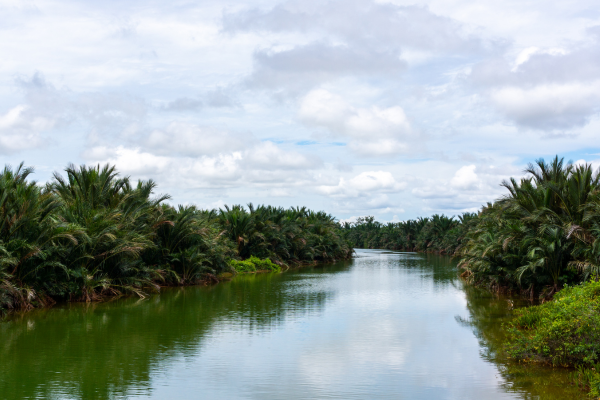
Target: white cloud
x,y
268,156
384,24
550,106
278,192
20,130
465,178
193,140
464,189
263,163
364,184
372,131
526,54
204,170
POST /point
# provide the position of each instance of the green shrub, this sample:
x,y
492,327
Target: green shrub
x,y
243,266
595,384
565,331
264,265
254,264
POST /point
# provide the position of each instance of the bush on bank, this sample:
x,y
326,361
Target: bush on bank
x,y
254,264
564,332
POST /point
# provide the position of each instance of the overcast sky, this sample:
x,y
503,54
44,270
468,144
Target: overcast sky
x,y
395,109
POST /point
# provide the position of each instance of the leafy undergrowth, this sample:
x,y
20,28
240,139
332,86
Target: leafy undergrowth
x,y
563,332
254,264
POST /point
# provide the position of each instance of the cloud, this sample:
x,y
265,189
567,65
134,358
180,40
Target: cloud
x,y
183,104
187,139
104,114
364,184
264,163
382,25
267,156
464,189
278,192
221,97
129,161
547,89
309,65
20,130
550,106
335,44
372,131
216,98
465,178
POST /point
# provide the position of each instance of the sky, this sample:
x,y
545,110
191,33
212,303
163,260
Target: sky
x,y
395,109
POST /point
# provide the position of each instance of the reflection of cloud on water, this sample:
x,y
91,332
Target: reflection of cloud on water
x,y
368,347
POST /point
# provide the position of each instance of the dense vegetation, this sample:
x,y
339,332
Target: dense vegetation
x,y
549,332
93,233
437,234
543,234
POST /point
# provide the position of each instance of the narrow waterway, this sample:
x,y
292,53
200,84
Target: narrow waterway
x,y
383,326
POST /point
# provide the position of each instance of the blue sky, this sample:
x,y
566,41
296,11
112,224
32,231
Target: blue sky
x,y
392,108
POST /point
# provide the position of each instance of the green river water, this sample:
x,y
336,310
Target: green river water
x,y
383,326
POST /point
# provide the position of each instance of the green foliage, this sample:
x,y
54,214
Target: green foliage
x,y
286,236
543,234
243,265
189,245
437,234
595,382
92,233
565,331
254,264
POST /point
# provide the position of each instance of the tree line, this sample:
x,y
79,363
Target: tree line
x,y
93,233
437,234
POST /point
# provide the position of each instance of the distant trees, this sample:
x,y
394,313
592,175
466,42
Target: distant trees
x,y
439,233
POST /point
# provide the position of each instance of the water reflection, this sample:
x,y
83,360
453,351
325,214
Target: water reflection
x,y
104,350
383,326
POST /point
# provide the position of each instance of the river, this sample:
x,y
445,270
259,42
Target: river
x,y
385,325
